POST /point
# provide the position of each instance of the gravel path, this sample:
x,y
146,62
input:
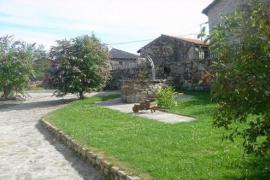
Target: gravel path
x,y
28,152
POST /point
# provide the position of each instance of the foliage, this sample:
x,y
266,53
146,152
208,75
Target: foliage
x,y
166,97
40,63
241,49
203,35
15,65
162,151
79,65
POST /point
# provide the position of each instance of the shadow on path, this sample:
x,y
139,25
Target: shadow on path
x,y
33,105
5,106
47,103
84,169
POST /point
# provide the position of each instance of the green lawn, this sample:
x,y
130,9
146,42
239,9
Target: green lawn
x,y
154,150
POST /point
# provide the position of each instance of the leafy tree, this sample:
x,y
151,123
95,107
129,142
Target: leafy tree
x,y
40,63
15,66
241,49
79,65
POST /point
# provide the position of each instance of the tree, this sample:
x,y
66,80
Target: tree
x,y
40,63
15,65
240,47
79,65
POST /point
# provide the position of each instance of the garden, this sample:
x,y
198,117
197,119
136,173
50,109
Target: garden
x,y
227,138
154,150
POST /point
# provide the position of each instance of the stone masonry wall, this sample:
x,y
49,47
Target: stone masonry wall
x,y
226,7
118,64
191,78
181,63
136,91
108,170
223,7
126,73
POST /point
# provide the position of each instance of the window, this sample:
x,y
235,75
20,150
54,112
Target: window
x,y
203,53
167,71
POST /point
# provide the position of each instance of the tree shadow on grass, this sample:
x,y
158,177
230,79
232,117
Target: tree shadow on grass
x,y
260,173
257,168
85,170
202,97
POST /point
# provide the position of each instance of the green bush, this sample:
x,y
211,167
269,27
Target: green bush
x,y
166,97
79,65
241,84
15,66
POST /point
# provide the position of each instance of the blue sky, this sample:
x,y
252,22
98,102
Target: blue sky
x,y
112,21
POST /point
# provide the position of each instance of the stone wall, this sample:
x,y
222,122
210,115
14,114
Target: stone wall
x,y
223,7
226,7
183,64
108,170
191,75
127,73
120,64
135,91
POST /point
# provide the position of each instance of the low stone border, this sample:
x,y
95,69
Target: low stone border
x,y
109,171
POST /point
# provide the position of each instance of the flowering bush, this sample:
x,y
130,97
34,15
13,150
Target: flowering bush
x,y
78,65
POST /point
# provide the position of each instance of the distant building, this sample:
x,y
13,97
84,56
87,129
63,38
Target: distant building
x,y
122,59
124,66
219,8
182,61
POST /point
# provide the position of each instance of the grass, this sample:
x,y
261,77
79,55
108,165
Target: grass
x,y
155,150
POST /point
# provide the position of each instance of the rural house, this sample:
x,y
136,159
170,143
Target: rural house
x,y
121,59
183,62
219,8
124,65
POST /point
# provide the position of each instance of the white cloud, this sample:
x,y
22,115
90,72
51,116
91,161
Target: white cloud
x,y
114,19
32,37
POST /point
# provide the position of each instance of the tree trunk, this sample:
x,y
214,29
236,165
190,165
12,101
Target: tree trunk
x,y
5,93
81,95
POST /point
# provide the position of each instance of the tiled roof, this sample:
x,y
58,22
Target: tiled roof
x,y
189,40
205,11
119,54
193,41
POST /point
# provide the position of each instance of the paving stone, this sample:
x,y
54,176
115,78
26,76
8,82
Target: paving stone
x,y
169,118
28,151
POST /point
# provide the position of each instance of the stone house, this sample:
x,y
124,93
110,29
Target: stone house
x,y
124,65
219,8
121,59
182,62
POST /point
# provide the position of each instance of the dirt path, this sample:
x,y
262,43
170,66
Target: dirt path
x,y
28,152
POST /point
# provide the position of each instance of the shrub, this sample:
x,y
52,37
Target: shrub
x,y
40,63
78,65
15,66
166,97
241,85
